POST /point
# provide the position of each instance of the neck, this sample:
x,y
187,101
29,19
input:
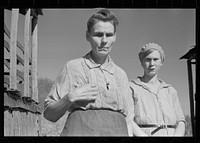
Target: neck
x,y
149,79
99,59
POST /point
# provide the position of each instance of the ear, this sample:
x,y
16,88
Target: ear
x,y
87,35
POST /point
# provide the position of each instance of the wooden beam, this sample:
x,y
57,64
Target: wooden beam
x,y
13,42
34,58
26,53
14,101
191,95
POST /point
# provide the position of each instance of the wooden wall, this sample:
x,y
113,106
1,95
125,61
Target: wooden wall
x,y
21,106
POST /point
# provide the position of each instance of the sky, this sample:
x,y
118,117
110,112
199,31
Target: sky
x,y
61,37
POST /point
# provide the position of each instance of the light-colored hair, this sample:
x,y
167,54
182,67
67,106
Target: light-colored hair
x,y
149,48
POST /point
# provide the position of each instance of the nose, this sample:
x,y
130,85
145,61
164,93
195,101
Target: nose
x,y
104,38
152,62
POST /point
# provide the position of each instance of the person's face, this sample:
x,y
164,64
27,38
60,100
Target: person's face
x,y
101,38
152,63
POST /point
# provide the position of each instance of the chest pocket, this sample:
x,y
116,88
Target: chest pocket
x,y
91,78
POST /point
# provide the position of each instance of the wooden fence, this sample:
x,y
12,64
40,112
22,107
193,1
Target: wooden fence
x,y
21,106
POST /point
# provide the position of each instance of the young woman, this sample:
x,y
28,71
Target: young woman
x,y
157,110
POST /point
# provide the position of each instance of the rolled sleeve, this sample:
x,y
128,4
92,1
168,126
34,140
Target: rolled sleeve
x,y
177,107
129,105
60,87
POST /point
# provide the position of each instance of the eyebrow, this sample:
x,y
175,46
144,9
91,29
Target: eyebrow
x,y
102,33
151,58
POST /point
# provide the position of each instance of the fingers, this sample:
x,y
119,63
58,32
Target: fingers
x,y
90,96
89,88
86,92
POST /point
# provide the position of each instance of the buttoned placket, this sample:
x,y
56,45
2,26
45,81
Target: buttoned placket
x,y
158,101
107,83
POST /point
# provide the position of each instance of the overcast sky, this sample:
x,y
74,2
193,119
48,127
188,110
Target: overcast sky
x,y
61,37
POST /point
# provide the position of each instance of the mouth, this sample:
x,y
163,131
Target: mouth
x,y
103,48
151,69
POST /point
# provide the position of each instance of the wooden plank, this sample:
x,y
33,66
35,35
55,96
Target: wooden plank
x,y
36,124
14,101
20,76
30,125
7,46
26,54
6,30
8,34
20,123
16,116
6,80
13,41
25,123
40,124
7,63
6,122
34,58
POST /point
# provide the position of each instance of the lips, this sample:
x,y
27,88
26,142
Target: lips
x,y
103,48
151,69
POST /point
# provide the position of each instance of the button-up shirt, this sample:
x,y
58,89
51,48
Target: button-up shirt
x,y
114,92
161,108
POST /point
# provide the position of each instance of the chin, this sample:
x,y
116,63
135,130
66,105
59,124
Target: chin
x,y
103,53
151,74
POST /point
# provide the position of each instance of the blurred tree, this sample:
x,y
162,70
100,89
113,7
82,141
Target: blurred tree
x,y
44,86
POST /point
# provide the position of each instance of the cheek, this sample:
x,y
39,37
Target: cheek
x,y
145,65
159,64
95,41
111,41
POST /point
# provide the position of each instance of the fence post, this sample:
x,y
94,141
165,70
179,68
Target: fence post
x,y
34,58
13,50
26,53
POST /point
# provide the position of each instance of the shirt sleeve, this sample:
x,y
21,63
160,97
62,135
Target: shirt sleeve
x,y
60,87
70,77
129,105
177,106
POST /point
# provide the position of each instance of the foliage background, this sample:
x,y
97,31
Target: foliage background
x,y
54,129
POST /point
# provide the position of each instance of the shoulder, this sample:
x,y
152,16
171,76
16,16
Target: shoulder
x,y
171,89
135,82
167,85
121,76
73,64
134,85
121,72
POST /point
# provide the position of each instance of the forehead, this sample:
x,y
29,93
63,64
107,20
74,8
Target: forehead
x,y
154,54
101,26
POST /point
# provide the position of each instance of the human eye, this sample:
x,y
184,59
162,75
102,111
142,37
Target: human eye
x,y
147,59
98,34
109,34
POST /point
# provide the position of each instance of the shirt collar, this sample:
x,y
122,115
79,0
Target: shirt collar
x,y
108,66
139,82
